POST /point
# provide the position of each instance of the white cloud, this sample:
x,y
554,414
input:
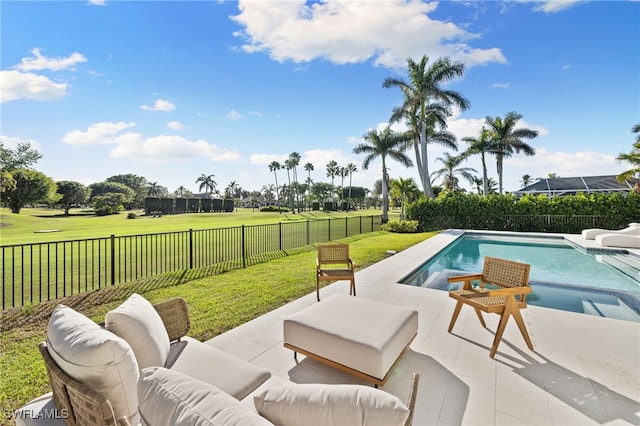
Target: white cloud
x,y
501,85
175,125
138,148
12,142
98,2
344,31
553,6
159,105
96,134
40,62
234,115
266,159
18,85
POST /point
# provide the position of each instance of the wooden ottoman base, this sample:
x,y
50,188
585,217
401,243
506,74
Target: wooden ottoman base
x,y
359,336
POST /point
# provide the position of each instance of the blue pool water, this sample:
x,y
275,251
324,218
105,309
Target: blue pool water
x,y
603,283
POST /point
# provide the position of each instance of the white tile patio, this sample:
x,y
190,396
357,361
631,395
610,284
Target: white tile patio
x,y
584,370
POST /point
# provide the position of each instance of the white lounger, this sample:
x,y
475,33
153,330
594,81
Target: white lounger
x,y
591,234
618,240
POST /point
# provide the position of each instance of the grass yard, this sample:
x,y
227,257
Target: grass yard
x,y
217,303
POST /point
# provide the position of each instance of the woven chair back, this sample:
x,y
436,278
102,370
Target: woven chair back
x,y
505,273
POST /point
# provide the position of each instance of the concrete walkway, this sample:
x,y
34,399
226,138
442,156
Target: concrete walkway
x,y
585,370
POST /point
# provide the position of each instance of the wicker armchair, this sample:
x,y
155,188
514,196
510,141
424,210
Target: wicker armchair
x,y
79,404
330,255
512,278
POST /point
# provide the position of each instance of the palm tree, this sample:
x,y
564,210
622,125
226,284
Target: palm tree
x,y
274,167
294,160
426,103
181,191
288,165
508,139
232,191
153,189
632,157
526,180
207,182
406,190
308,167
351,169
332,171
449,171
482,145
343,173
267,191
386,143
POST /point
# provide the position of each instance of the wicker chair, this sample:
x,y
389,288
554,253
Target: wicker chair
x,y
79,404
512,278
330,255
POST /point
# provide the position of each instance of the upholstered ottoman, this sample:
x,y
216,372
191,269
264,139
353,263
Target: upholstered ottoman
x,y
359,336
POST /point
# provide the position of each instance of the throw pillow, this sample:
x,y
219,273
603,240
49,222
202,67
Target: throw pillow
x,y
97,358
317,404
137,322
171,398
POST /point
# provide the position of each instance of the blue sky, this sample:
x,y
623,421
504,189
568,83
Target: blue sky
x,y
170,90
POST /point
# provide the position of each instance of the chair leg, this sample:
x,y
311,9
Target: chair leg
x,y
318,288
509,309
523,330
479,315
454,317
352,288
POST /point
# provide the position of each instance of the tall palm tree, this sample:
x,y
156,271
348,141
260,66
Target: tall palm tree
x,y
351,169
267,191
288,166
294,159
153,189
343,173
632,157
483,144
207,182
526,180
426,102
181,191
332,171
386,143
406,189
508,139
308,167
274,167
450,170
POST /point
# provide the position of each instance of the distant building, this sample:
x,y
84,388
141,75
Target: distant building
x,y
584,184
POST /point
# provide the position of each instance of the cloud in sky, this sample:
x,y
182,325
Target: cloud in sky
x,y
40,62
553,6
135,147
159,105
21,85
337,31
175,125
234,115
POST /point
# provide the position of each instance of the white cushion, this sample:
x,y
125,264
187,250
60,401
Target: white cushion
x,y
137,322
95,357
171,398
317,404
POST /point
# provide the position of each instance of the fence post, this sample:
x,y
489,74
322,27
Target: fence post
x,y
190,248
113,259
244,252
308,236
329,229
280,236
346,227
360,217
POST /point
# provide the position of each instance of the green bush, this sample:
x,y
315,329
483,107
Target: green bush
x,y
401,226
132,215
533,213
274,209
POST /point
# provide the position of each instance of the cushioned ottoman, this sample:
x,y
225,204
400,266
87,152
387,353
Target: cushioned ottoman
x,y
359,336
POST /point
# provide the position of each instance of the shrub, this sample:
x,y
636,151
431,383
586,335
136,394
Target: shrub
x,y
401,226
274,209
132,215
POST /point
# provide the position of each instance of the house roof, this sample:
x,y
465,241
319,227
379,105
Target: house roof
x,y
573,185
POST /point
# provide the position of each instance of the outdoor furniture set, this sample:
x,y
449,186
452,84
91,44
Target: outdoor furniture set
x,y
628,237
140,367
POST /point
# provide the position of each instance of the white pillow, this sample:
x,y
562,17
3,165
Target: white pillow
x,y
317,404
95,357
171,398
137,322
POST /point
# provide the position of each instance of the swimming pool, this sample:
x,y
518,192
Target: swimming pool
x,y
600,282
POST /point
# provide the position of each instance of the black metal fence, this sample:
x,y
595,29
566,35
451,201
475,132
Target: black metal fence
x,y
33,273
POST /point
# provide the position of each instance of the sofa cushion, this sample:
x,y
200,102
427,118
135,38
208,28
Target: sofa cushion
x,y
318,404
95,357
232,375
171,398
137,322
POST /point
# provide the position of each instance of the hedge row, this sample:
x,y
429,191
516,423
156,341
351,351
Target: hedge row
x,y
186,205
534,213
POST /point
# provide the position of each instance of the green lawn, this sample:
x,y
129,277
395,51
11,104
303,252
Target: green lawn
x,y
27,226
216,303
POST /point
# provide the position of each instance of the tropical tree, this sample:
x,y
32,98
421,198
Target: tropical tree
x,y
30,187
383,144
182,192
73,194
274,166
153,189
140,187
483,144
450,171
406,190
632,157
268,192
508,139
20,157
426,104
101,189
526,180
332,171
294,162
288,165
207,183
351,169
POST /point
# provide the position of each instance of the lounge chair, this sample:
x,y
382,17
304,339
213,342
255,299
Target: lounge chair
x,y
591,234
619,240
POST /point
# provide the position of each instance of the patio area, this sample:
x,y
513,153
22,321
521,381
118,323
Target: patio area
x,y
584,369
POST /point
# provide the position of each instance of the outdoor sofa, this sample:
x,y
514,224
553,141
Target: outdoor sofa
x,y
591,234
140,367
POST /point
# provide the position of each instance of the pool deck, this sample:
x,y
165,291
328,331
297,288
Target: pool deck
x,y
584,370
